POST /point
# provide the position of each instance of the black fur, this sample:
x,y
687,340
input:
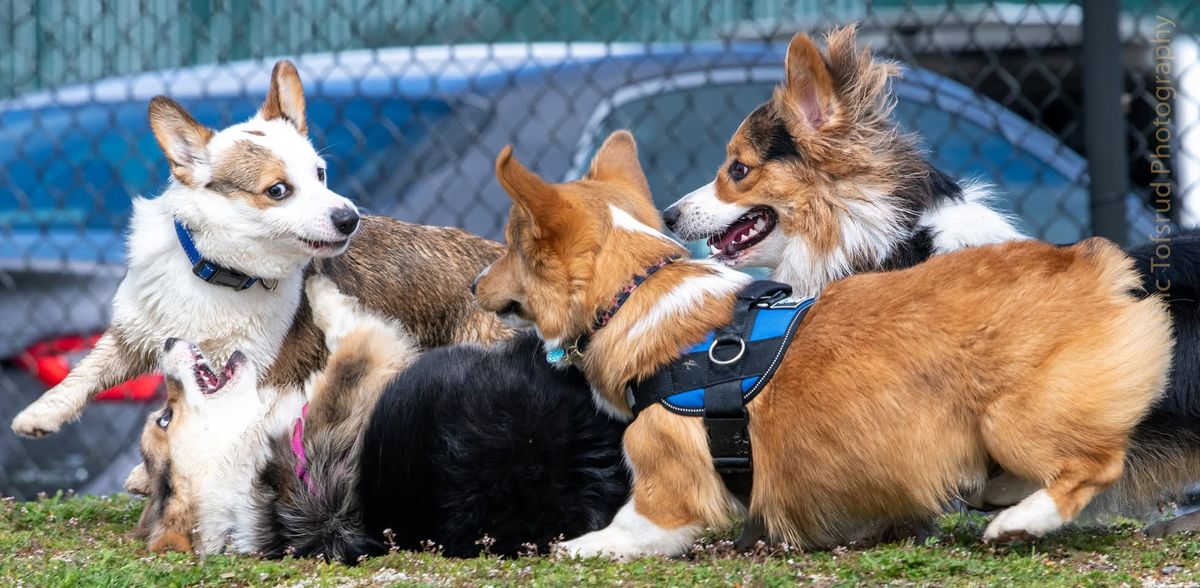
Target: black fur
x,y
469,443
1172,268
325,523
769,136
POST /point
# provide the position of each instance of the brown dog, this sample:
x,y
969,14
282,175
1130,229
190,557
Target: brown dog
x,y
896,393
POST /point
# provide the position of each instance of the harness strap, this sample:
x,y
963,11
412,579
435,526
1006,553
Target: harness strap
x,y
716,378
207,270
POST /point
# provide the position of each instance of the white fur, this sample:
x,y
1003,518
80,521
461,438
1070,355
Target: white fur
x,y
1035,516
223,441
871,228
701,213
632,535
625,221
218,442
160,297
689,294
969,223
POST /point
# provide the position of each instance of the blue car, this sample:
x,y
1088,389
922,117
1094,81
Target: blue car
x,y
412,133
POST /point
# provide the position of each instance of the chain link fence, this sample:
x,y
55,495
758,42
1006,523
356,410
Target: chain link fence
x,y
409,101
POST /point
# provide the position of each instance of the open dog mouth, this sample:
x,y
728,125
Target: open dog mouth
x,y
745,232
324,245
210,382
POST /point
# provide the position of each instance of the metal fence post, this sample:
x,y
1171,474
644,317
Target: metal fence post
x,y
1104,120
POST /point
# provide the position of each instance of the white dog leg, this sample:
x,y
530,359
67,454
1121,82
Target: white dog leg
x,y
632,535
336,314
109,364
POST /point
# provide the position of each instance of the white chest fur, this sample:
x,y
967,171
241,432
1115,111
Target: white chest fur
x,y
161,298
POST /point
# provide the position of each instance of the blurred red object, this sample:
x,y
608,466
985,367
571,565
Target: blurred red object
x,y
51,361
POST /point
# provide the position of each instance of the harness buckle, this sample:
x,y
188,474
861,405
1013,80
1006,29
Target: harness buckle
x,y
729,443
215,274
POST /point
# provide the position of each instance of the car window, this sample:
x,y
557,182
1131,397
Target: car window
x,y
682,136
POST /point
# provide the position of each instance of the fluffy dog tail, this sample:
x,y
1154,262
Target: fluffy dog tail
x,y
1163,462
318,516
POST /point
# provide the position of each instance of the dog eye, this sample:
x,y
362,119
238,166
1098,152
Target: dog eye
x,y
738,170
321,174
278,191
164,419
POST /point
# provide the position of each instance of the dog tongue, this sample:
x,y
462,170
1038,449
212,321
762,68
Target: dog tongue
x,y
728,241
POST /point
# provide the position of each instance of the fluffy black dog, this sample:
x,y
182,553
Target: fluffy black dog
x,y
471,443
469,449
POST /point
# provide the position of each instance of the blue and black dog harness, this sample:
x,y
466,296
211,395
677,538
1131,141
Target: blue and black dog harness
x,y
717,377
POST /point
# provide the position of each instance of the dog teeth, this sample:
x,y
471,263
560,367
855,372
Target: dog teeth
x,y
760,224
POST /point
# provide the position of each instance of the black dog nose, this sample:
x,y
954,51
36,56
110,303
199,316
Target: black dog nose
x,y
475,283
169,343
345,220
671,216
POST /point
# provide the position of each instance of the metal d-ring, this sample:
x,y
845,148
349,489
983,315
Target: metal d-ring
x,y
741,350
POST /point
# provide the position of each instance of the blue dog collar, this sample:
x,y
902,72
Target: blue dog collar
x,y
207,270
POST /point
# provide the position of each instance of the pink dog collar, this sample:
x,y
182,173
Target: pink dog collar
x,y
298,448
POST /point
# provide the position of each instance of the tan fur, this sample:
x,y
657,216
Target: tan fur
x,y
898,389
285,98
245,171
168,518
417,274
836,107
182,138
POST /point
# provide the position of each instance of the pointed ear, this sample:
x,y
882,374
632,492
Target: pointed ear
x,y
534,195
183,140
285,98
617,161
806,96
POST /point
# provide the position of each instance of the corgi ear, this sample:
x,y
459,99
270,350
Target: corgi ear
x,y
183,140
530,192
617,161
806,96
285,98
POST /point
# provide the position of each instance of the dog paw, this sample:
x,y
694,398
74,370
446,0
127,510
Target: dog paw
x,y
1031,518
1188,523
333,312
595,545
38,420
138,482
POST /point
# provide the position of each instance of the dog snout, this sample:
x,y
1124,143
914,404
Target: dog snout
x,y
475,283
670,216
345,220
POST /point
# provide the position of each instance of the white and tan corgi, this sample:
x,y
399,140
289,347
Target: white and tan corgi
x,y
252,200
896,394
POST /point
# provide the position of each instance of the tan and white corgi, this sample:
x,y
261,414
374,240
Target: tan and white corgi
x,y
897,393
252,201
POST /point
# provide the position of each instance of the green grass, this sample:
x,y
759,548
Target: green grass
x,y
65,541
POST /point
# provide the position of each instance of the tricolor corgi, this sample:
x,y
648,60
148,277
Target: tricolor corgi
x,y
220,256
897,393
820,183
